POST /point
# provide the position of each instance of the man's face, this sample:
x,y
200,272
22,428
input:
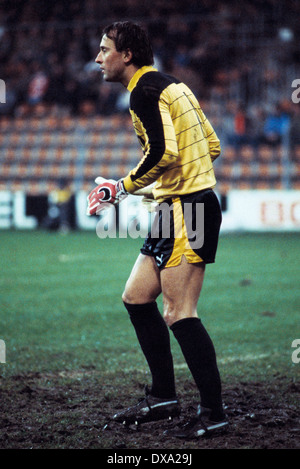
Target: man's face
x,y
112,62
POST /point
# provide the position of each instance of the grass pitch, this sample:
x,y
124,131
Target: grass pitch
x,y
72,357
61,305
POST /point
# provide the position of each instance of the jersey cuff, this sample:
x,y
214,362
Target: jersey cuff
x,y
128,185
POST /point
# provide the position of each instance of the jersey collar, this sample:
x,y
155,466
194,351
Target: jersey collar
x,y
138,74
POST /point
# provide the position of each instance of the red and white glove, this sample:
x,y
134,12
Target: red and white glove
x,y
108,192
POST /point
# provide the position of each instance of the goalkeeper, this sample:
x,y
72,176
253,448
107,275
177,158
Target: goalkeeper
x,y
179,147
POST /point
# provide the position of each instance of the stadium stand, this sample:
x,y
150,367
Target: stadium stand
x,y
61,121
37,154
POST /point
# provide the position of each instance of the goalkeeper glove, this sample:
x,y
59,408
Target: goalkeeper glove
x,y
108,191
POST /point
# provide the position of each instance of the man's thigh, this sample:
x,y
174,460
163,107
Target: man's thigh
x,y
143,284
181,287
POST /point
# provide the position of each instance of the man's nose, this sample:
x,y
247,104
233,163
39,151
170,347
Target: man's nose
x,y
98,58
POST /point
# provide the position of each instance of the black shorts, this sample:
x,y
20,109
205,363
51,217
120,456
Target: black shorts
x,y
185,226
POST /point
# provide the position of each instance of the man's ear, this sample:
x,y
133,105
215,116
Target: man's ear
x,y
127,55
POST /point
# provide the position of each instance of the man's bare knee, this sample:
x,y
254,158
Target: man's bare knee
x,y
175,312
125,298
143,285
169,319
130,297
170,314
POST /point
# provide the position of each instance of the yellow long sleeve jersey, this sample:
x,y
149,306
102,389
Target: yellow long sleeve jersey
x,y
179,144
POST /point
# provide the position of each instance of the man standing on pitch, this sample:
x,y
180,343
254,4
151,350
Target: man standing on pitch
x,y
179,146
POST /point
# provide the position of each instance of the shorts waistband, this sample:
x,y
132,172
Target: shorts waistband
x,y
170,200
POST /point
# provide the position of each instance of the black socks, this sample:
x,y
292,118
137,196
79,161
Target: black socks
x,y
153,336
199,353
197,348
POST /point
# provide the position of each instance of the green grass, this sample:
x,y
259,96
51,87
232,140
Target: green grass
x,y
61,305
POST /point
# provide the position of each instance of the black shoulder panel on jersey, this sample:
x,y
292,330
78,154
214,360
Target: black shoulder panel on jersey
x,y
152,85
144,103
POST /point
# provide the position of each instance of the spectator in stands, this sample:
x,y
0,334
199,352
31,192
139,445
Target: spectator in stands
x,y
59,215
295,126
38,85
256,118
35,32
240,131
72,96
276,126
106,99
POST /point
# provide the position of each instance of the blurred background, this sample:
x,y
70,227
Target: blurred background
x,y
69,346
62,125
